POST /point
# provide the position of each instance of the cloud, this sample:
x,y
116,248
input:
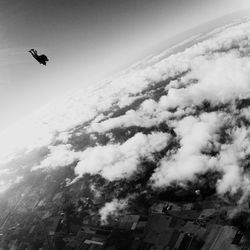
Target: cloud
x,y
230,162
149,114
213,83
117,161
112,208
63,137
204,133
59,156
194,135
112,161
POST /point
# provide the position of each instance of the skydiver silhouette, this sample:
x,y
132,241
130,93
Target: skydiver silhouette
x,y
42,59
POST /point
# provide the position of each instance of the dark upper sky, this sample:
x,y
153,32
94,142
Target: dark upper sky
x,y
85,40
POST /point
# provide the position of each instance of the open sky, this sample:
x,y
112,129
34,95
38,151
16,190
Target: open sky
x,y
85,40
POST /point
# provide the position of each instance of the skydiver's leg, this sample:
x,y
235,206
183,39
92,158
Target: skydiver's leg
x,y
31,51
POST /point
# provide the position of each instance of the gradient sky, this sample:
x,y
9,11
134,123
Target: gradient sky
x,y
85,40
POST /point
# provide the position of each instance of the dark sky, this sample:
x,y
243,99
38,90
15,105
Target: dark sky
x,y
85,41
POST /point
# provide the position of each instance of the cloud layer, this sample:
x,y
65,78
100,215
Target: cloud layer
x,y
193,106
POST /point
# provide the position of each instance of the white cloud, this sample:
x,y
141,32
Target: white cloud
x,y
149,114
229,161
112,208
116,161
59,156
63,137
220,79
194,134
